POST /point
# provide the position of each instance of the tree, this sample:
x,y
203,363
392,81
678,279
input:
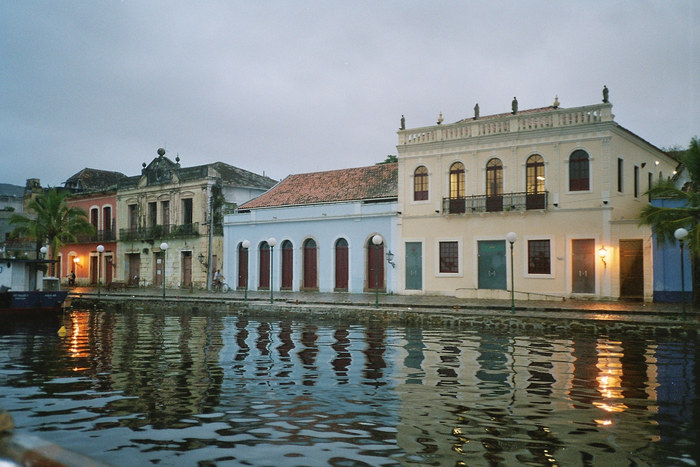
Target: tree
x,y
391,158
56,223
665,220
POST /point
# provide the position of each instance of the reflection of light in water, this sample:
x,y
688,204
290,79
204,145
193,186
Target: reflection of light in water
x,y
77,345
610,379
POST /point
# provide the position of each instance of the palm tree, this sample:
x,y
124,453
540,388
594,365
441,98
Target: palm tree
x,y
56,223
665,220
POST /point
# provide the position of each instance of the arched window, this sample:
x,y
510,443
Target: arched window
x,y
310,265
457,188
457,181
341,265
287,265
534,178
579,171
494,185
420,184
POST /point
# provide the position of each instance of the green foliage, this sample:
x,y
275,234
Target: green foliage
x,y
389,159
665,220
56,223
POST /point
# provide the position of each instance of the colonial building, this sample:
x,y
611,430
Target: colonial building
x,y
94,191
568,183
323,225
178,208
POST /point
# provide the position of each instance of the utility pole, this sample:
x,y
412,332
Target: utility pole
x,y
211,237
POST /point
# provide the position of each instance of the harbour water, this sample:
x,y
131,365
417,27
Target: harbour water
x,y
208,388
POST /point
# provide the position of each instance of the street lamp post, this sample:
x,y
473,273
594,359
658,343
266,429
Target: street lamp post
x,y
376,240
680,235
164,249
272,242
100,250
512,237
246,244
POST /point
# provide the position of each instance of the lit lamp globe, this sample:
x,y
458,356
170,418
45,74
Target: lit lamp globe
x,y
245,244
43,250
272,241
163,246
680,234
511,237
377,240
100,248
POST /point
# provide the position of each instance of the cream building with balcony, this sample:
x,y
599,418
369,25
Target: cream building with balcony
x,y
569,183
182,208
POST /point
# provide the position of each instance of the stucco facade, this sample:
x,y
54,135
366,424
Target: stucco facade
x,y
323,225
171,204
568,182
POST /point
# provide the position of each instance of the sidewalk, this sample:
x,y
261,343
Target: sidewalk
x,y
628,309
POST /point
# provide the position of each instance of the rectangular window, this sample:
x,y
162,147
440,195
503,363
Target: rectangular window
x,y
152,214
165,212
133,216
187,211
636,181
449,257
620,166
650,182
538,257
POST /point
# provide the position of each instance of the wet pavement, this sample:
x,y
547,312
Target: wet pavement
x,y
619,310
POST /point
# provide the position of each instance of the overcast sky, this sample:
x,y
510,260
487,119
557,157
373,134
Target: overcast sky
x,y
296,86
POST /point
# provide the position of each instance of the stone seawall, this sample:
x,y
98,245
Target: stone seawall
x,y
498,319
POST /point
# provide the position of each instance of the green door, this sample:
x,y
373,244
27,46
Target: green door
x,y
492,264
414,265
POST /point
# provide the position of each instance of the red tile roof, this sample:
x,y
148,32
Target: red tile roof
x,y
358,184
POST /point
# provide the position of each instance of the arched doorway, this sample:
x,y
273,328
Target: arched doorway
x,y
287,265
264,267
375,266
310,265
242,267
341,265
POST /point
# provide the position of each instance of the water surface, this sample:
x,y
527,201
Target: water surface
x,y
168,388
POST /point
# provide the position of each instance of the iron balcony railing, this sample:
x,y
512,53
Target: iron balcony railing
x,y
159,232
497,203
99,236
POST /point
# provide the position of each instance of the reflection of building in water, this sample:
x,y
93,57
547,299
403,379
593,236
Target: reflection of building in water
x,y
512,400
169,362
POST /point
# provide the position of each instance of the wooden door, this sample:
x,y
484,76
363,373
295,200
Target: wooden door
x,y
242,267
310,265
583,266
631,269
159,270
375,266
287,265
264,268
414,265
94,260
186,269
134,269
109,264
341,265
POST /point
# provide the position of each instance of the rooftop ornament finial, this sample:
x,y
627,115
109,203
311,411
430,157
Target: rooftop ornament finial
x,y
161,152
556,102
440,119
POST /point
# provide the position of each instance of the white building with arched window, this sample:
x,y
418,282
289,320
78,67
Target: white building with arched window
x,y
314,231
569,183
